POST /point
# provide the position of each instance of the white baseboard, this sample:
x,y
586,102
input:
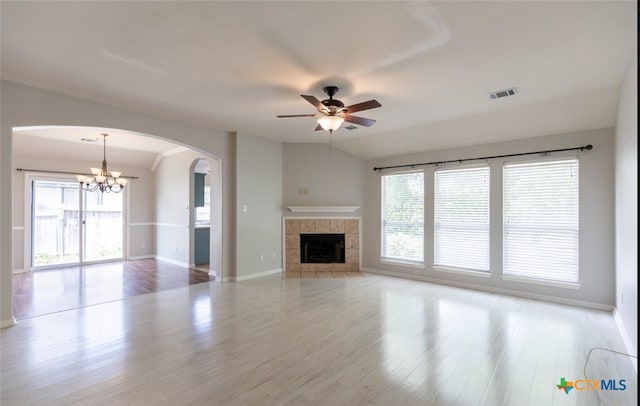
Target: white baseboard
x,y
19,271
628,344
141,257
8,323
255,275
508,292
172,261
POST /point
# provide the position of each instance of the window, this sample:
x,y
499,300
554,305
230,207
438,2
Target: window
x,y
202,215
403,216
541,220
461,218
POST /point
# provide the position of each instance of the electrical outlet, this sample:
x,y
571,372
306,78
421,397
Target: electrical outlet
x,y
261,258
274,256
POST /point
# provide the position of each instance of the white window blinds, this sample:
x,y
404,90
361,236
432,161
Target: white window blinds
x,y
462,218
403,216
541,220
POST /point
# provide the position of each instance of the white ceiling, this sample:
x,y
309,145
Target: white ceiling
x,y
234,66
71,143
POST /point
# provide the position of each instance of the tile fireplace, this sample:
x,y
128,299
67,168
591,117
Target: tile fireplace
x,y
321,247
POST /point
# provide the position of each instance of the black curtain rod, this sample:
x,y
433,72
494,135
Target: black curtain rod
x,y
586,147
66,173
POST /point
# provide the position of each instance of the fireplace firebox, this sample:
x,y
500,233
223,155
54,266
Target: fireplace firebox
x,y
322,248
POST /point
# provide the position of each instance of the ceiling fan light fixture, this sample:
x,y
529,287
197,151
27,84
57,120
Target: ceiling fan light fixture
x,y
333,112
330,123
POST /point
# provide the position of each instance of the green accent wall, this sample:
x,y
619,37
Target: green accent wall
x,y
198,189
201,246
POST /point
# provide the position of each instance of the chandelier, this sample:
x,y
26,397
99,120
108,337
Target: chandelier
x,y
100,178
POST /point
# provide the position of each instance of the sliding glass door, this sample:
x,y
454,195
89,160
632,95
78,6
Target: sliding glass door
x,y
70,226
102,221
55,223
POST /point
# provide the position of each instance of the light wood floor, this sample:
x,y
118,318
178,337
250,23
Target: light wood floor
x,y
350,341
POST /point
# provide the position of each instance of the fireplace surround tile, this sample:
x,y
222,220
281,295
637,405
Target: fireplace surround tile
x,y
337,226
323,226
352,241
293,227
308,226
351,227
293,241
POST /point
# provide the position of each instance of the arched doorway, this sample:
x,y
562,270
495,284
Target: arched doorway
x,y
145,233
205,195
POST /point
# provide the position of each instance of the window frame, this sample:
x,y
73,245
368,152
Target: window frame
x,y
453,268
413,263
574,284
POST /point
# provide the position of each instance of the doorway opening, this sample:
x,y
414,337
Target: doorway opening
x,y
202,184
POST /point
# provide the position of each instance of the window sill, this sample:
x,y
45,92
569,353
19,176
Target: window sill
x,y
566,285
462,271
408,264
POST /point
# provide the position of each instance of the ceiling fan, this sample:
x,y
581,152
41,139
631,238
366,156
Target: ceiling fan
x,y
332,112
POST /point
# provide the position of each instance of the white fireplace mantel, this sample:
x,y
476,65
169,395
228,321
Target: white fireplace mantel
x,y
323,209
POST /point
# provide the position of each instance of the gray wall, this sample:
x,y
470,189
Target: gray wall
x,y
172,184
596,218
330,176
28,106
258,206
626,152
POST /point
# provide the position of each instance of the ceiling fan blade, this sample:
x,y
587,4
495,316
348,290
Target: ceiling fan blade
x,y
313,100
371,104
319,128
367,122
296,115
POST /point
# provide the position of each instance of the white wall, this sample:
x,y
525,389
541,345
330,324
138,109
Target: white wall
x,y
259,191
331,177
140,212
596,218
626,234
28,106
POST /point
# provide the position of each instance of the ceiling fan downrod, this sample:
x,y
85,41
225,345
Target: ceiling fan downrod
x,y
330,91
333,106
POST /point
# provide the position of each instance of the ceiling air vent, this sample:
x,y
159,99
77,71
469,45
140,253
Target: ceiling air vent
x,y
504,93
350,127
